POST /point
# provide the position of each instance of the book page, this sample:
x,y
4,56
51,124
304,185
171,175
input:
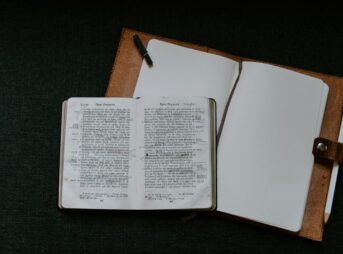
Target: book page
x,y
181,71
99,143
265,156
63,123
174,169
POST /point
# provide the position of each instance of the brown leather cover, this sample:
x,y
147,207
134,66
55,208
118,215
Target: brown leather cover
x,y
123,80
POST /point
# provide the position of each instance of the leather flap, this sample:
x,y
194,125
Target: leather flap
x,y
327,149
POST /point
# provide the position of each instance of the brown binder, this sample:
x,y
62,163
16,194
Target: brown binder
x,y
123,80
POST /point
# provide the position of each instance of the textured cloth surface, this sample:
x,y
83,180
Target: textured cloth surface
x,y
48,54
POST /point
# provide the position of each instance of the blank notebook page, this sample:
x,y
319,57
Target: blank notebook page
x,y
265,156
180,71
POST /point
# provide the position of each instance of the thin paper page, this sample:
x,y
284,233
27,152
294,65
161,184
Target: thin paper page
x,y
98,148
63,122
265,156
180,71
174,168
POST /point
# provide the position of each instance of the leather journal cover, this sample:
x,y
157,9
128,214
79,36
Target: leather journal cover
x,y
123,80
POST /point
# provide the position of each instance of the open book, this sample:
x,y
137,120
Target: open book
x,y
143,153
267,118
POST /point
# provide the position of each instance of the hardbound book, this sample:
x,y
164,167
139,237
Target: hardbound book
x,y
138,153
267,120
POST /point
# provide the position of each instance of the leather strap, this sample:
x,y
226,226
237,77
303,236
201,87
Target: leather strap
x,y
328,149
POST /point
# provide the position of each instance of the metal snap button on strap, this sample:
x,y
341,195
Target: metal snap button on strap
x,y
322,147
328,149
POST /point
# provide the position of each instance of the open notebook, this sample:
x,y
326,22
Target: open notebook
x,y
269,117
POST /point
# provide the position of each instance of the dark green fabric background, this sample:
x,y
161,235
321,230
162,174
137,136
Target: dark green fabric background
x,y
50,53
